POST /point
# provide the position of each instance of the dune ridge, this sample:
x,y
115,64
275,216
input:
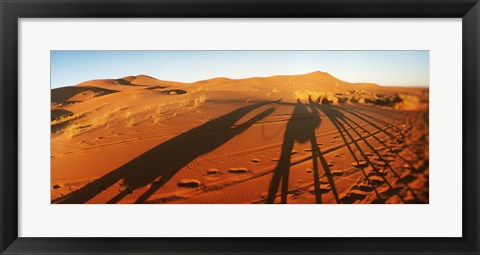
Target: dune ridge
x,y
310,138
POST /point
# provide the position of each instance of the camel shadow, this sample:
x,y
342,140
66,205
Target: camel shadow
x,y
339,121
300,128
159,164
61,95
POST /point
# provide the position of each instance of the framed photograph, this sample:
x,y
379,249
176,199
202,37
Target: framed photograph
x,y
263,127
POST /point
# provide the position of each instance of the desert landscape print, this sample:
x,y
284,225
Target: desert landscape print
x,y
239,127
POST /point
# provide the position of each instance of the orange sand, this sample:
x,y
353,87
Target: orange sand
x,y
284,139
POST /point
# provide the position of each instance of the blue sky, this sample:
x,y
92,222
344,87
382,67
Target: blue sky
x,y
391,68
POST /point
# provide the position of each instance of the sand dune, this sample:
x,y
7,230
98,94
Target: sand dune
x,y
73,94
308,138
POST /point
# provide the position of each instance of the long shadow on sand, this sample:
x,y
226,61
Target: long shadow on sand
x,y
158,165
61,95
403,181
342,122
300,128
338,120
383,130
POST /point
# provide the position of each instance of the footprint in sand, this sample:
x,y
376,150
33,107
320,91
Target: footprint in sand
x,y
309,170
362,187
275,159
308,149
376,180
189,183
330,164
353,196
386,191
337,155
406,177
294,152
389,155
337,173
212,171
361,191
358,194
255,160
396,149
56,186
377,173
237,170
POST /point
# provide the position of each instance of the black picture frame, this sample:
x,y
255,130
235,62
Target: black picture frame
x,y
12,10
